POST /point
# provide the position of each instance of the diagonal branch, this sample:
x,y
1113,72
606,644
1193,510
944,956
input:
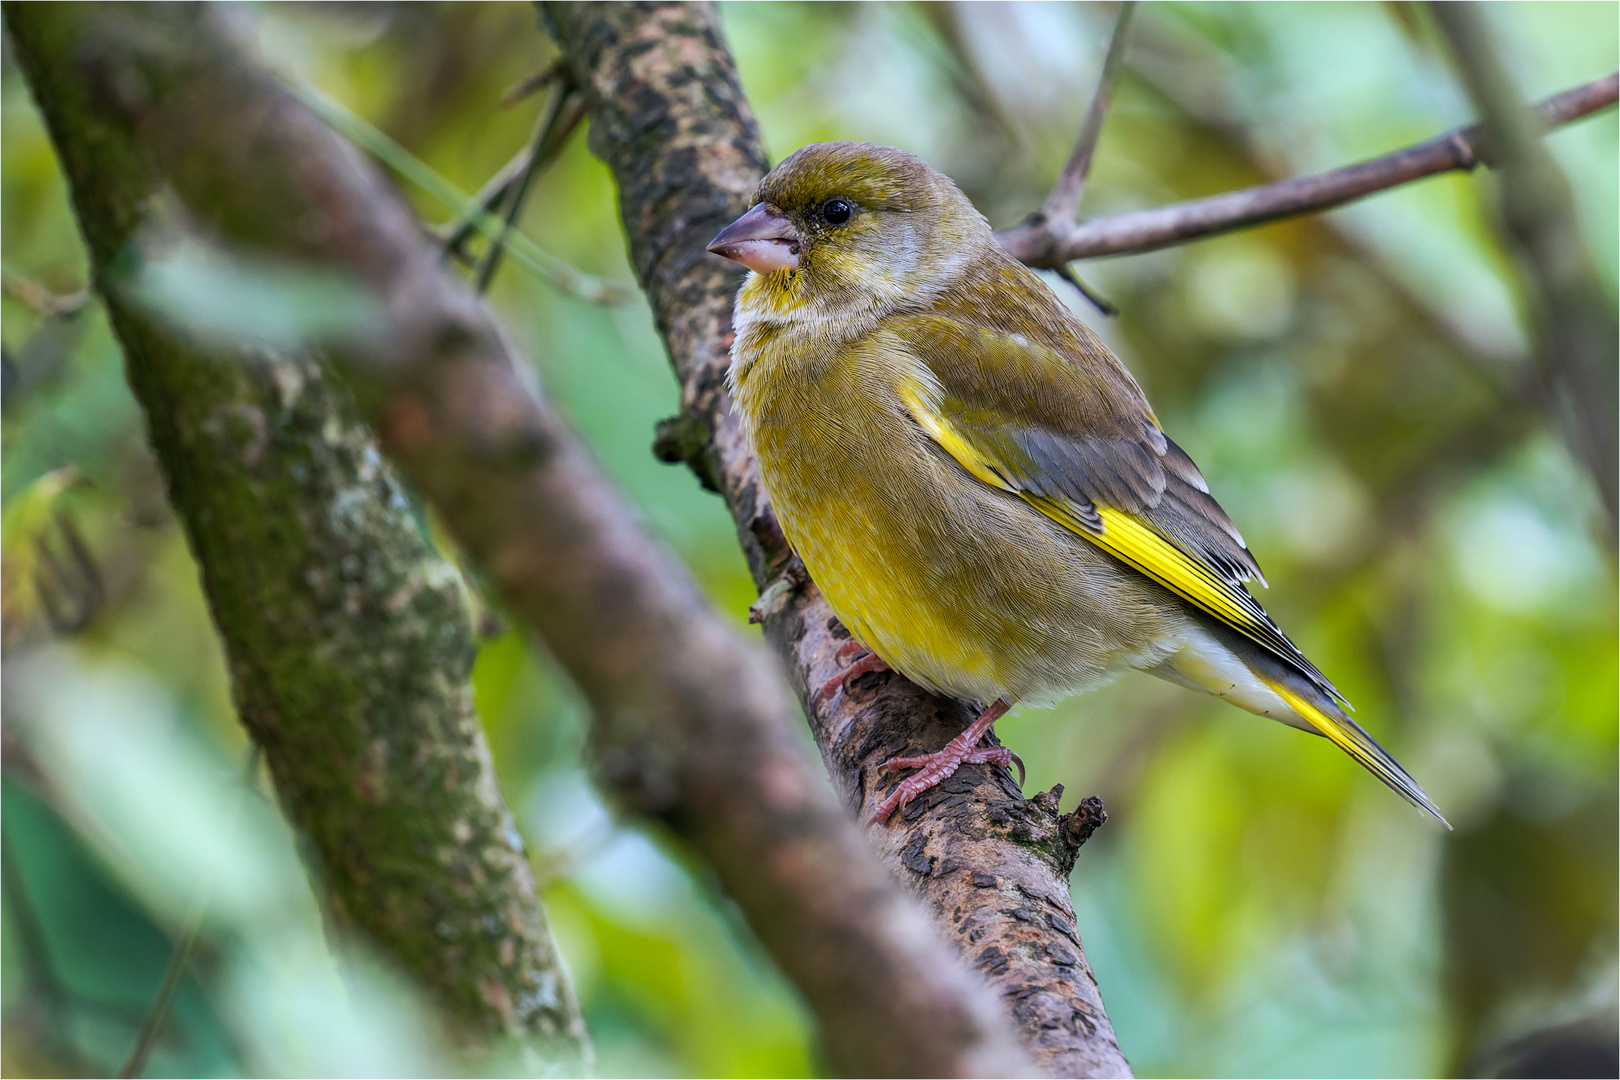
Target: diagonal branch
x,y
348,638
1064,202
1046,244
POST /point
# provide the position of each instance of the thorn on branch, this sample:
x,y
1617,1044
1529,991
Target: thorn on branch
x,y
1469,154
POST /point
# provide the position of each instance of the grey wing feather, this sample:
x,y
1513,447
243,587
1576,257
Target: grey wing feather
x,y
1164,487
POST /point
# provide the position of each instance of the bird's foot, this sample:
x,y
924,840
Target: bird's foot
x,y
962,750
869,661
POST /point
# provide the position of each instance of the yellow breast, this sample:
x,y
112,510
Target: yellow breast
x,y
857,488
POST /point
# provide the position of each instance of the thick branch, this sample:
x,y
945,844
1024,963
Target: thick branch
x,y
1045,243
690,720
670,119
349,640
1578,346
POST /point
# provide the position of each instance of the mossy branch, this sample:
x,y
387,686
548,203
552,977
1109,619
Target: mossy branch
x,y
349,639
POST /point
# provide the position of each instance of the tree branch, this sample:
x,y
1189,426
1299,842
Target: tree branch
x,y
1578,343
690,722
1064,202
1045,243
349,640
669,118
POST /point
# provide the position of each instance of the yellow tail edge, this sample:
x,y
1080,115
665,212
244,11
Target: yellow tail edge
x,y
1347,735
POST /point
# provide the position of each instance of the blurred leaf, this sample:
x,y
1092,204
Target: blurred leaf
x,y
98,958
227,300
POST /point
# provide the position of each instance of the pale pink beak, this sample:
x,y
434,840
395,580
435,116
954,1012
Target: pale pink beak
x,y
762,240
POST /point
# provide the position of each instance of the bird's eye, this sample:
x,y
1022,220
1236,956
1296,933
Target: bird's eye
x,y
836,211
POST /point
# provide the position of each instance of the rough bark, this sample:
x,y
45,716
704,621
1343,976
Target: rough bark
x,y
349,640
669,117
691,723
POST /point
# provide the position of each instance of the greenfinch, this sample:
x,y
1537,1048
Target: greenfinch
x,y
976,484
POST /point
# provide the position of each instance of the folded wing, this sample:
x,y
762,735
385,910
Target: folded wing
x,y
1078,442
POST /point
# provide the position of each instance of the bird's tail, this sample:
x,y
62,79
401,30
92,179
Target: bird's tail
x,y
1231,667
1348,736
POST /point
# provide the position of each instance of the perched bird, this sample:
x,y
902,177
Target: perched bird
x,y
974,481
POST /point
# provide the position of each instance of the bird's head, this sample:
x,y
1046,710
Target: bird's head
x,y
844,227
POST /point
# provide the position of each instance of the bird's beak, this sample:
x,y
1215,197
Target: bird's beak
x,y
762,240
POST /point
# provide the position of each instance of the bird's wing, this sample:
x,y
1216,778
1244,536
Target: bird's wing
x,y
1078,442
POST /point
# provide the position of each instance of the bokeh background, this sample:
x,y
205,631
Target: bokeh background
x,y
1352,386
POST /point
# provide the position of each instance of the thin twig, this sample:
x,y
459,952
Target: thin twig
x,y
967,74
1042,243
159,1011
545,138
1064,201
181,956
28,928
544,264
1097,299
69,586
533,84
461,227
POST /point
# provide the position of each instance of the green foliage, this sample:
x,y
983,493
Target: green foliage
x,y
1350,386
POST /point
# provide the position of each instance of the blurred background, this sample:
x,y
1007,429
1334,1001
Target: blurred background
x,y
1352,386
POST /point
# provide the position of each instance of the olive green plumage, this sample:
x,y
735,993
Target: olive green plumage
x,y
975,482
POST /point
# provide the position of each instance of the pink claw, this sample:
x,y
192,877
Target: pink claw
x,y
962,750
871,661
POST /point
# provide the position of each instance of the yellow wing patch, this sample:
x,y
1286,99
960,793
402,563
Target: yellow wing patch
x,y
1137,544
913,394
1134,541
